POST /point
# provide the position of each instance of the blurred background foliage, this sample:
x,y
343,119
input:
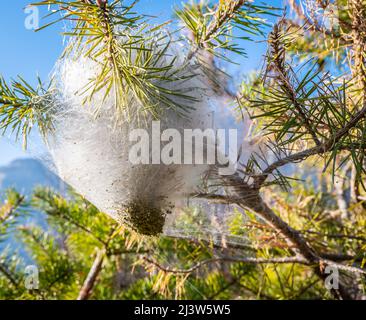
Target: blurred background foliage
x,y
135,267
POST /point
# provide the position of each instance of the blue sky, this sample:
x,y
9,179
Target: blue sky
x,y
28,53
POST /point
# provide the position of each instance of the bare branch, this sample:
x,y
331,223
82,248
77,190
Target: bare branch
x,y
343,267
90,280
338,236
327,146
226,259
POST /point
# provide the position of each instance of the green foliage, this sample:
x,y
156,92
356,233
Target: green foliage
x,y
10,212
22,107
212,31
138,267
133,57
302,107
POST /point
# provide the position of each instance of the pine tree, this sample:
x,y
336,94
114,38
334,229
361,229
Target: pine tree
x,y
308,105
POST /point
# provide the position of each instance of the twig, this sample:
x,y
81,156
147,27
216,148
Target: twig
x,y
277,61
221,19
338,257
96,268
215,25
234,246
343,267
12,209
317,150
4,270
226,259
90,280
337,236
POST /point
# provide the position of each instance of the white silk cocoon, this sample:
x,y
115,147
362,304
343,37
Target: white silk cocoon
x,y
91,152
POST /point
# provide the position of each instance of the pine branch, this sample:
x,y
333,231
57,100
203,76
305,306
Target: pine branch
x,y
338,236
222,16
96,268
227,286
132,56
343,267
358,16
338,257
213,27
252,200
91,279
9,212
54,210
23,107
324,147
248,260
4,270
204,242
278,61
215,198
81,227
257,293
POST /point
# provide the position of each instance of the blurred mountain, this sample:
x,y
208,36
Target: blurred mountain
x,y
26,174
